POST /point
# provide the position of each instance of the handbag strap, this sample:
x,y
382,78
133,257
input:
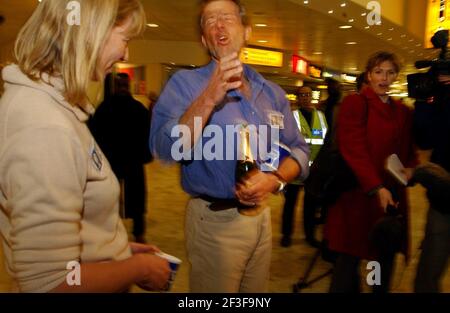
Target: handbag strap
x,y
332,140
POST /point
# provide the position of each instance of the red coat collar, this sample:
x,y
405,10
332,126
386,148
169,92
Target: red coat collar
x,y
370,95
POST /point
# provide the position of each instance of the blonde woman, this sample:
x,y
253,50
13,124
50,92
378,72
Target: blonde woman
x,y
59,197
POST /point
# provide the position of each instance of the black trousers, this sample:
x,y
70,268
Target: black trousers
x,y
435,255
291,197
311,205
135,198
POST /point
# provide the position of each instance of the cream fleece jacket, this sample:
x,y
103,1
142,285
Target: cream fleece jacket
x,y
59,199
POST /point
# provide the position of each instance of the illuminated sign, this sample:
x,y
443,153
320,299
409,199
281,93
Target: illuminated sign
x,y
348,78
291,97
299,65
315,72
315,96
261,57
442,10
438,17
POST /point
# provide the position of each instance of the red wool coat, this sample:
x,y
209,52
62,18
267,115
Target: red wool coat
x,y
365,139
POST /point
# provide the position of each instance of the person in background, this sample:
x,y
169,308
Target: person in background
x,y
313,126
59,201
152,99
432,132
331,104
361,82
228,225
371,126
121,126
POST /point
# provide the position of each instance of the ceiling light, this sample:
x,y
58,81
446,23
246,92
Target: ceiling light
x,y
262,41
343,4
403,36
391,29
411,40
306,2
364,14
351,20
367,27
330,12
152,25
351,43
345,26
318,53
260,25
389,39
379,34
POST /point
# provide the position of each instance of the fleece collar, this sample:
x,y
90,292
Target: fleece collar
x,y
13,75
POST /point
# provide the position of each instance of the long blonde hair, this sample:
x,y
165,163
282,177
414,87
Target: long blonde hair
x,y
47,44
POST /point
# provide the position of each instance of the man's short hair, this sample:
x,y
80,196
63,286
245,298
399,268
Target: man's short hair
x,y
242,12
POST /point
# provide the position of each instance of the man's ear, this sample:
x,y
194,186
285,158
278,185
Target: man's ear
x,y
247,33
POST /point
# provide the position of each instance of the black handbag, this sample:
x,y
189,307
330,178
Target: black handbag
x,y
388,233
330,175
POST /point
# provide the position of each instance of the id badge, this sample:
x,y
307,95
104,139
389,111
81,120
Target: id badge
x,y
276,119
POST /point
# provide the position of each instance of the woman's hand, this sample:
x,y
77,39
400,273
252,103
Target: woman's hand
x,y
154,272
408,172
143,248
385,198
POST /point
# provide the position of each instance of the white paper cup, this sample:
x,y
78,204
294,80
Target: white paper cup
x,y
174,264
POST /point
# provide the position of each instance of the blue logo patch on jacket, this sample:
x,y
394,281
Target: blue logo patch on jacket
x,y
97,158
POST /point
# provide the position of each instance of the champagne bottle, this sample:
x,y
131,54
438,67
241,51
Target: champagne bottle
x,y
245,163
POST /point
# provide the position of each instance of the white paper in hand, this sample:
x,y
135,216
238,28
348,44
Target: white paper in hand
x,y
395,167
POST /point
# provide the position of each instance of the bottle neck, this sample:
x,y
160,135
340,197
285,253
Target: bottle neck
x,y
245,148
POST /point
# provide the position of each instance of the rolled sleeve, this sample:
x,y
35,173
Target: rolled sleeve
x,y
292,137
302,159
44,175
171,105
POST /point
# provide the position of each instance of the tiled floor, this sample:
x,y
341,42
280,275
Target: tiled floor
x,y
165,229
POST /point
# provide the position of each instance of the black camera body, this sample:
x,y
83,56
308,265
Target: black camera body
x,y
422,86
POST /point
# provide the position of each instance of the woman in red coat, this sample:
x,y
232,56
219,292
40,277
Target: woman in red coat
x,y
371,126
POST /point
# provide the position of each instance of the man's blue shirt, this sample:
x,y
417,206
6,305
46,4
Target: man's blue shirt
x,y
216,178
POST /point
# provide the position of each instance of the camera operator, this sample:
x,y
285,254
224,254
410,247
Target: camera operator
x,y
432,131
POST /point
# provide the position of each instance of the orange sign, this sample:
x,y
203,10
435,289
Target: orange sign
x,y
261,57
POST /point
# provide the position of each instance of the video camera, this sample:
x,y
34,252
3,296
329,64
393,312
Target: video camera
x,y
423,86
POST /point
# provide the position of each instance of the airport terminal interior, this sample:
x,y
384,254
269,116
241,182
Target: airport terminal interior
x,y
294,43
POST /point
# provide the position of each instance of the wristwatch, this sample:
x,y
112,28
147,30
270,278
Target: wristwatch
x,y
281,182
